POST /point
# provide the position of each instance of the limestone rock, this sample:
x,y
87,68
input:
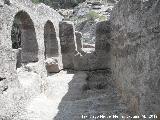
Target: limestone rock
x,y
1,3
135,53
30,19
68,43
67,36
87,14
87,45
52,65
7,2
79,41
103,36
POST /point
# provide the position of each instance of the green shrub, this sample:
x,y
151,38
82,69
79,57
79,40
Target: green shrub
x,y
59,3
92,15
102,18
36,1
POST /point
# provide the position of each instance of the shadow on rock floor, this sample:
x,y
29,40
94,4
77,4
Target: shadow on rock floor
x,y
89,97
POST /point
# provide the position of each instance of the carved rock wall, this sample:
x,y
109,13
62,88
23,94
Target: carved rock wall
x,y
13,96
135,54
68,43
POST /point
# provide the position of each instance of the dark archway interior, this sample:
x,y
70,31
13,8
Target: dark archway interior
x,y
23,38
50,40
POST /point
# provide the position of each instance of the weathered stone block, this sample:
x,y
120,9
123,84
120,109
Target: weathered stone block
x,y
1,3
31,19
79,41
68,43
103,36
67,36
7,2
135,53
52,65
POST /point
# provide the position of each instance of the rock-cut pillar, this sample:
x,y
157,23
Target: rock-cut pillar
x,y
68,43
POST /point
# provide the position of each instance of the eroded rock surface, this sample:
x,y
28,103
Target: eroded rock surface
x,y
101,57
90,97
52,65
135,54
68,43
22,22
120,77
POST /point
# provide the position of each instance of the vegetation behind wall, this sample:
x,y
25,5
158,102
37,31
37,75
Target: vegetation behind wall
x,y
59,3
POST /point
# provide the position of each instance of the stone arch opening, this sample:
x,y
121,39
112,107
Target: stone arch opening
x,y
50,40
23,38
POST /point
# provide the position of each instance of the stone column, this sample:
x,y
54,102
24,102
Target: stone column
x,y
100,58
103,36
102,45
68,43
79,41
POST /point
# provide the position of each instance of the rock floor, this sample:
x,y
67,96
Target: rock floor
x,y
72,96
